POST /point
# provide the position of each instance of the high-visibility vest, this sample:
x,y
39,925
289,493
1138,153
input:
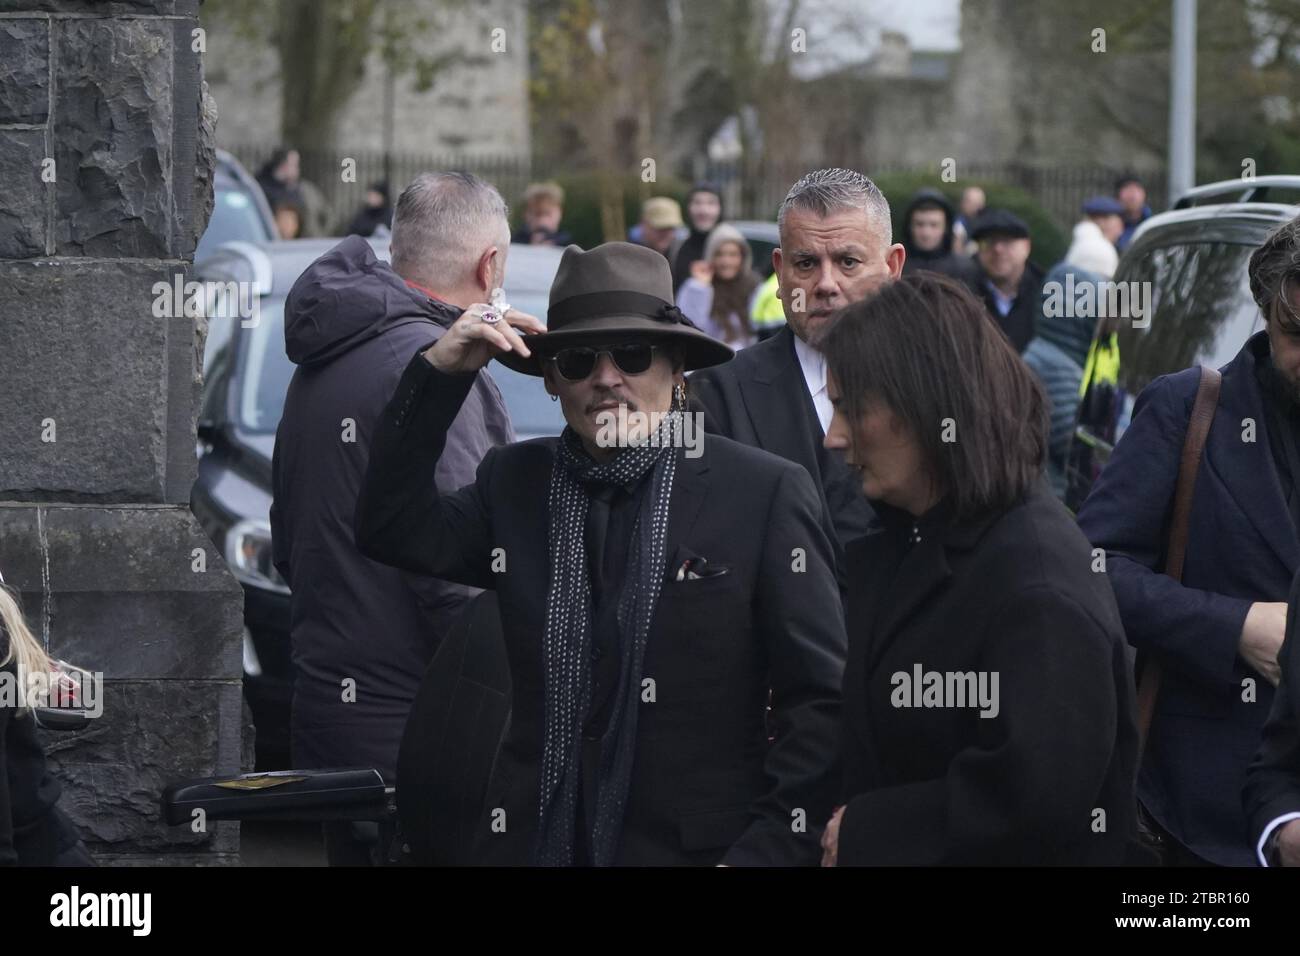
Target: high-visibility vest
x,y
1101,367
765,310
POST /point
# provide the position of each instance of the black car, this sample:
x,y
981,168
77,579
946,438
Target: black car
x,y
239,209
1201,311
762,237
246,376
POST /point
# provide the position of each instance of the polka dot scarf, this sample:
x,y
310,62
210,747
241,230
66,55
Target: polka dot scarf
x,y
567,640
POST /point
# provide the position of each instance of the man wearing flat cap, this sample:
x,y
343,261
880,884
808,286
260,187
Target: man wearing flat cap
x,y
653,589
1005,279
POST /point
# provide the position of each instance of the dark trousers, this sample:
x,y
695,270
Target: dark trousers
x,y
351,844
54,841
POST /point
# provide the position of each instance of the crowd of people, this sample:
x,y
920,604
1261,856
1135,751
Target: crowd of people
x,y
300,210
987,249
854,625
914,656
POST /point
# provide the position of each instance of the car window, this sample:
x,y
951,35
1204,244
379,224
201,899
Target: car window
x,y
762,250
216,367
1201,313
219,329
264,371
1201,310
234,216
531,410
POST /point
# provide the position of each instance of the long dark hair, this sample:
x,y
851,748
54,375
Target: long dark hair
x,y
927,349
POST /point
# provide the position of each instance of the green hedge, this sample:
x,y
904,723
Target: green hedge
x,y
582,206
1049,243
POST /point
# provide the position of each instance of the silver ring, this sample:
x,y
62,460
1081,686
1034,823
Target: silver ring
x,y
490,316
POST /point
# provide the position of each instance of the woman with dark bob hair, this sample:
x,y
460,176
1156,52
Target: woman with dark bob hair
x,y
988,702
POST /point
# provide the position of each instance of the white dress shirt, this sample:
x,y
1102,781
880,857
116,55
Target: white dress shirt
x,y
813,364
1268,832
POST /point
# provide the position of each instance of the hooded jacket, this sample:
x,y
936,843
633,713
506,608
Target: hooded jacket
x,y
942,260
351,326
691,248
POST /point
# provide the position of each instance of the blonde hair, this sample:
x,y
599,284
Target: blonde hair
x,y
19,644
538,193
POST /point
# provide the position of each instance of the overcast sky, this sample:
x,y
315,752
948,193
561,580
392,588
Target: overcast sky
x,y
929,24
841,33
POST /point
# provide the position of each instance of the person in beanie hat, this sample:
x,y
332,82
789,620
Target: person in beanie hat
x,y
649,619
717,295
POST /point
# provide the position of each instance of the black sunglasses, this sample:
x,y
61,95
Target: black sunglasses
x,y
577,363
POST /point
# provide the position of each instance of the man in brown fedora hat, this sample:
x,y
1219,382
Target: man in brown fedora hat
x,y
650,600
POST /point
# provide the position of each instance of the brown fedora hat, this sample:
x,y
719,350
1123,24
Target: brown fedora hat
x,y
617,291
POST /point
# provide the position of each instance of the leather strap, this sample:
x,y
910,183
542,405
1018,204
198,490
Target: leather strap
x,y
1198,430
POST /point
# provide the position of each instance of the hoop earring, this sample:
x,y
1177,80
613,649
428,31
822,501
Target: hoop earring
x,y
555,398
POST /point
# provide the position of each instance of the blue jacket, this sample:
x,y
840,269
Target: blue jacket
x,y
1242,548
1057,354
1060,376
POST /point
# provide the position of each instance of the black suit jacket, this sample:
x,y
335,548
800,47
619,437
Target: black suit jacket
x,y
1012,595
760,398
1273,780
706,784
1241,548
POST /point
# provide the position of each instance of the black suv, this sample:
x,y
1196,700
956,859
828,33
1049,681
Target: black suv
x,y
1201,311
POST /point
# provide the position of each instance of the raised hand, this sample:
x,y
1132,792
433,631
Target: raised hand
x,y
471,342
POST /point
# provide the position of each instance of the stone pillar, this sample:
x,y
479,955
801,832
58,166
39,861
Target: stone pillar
x,y
106,156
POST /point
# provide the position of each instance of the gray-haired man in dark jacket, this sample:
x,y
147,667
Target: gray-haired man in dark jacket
x,y
363,633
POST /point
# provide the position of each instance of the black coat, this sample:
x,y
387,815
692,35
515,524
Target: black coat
x,y
351,323
760,398
29,829
1273,781
1020,323
1242,547
706,785
1011,595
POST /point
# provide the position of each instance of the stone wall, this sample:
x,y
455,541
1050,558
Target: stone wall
x,y
475,108
106,152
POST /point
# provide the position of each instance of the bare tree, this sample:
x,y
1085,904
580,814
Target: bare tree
x,y
323,47
597,90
